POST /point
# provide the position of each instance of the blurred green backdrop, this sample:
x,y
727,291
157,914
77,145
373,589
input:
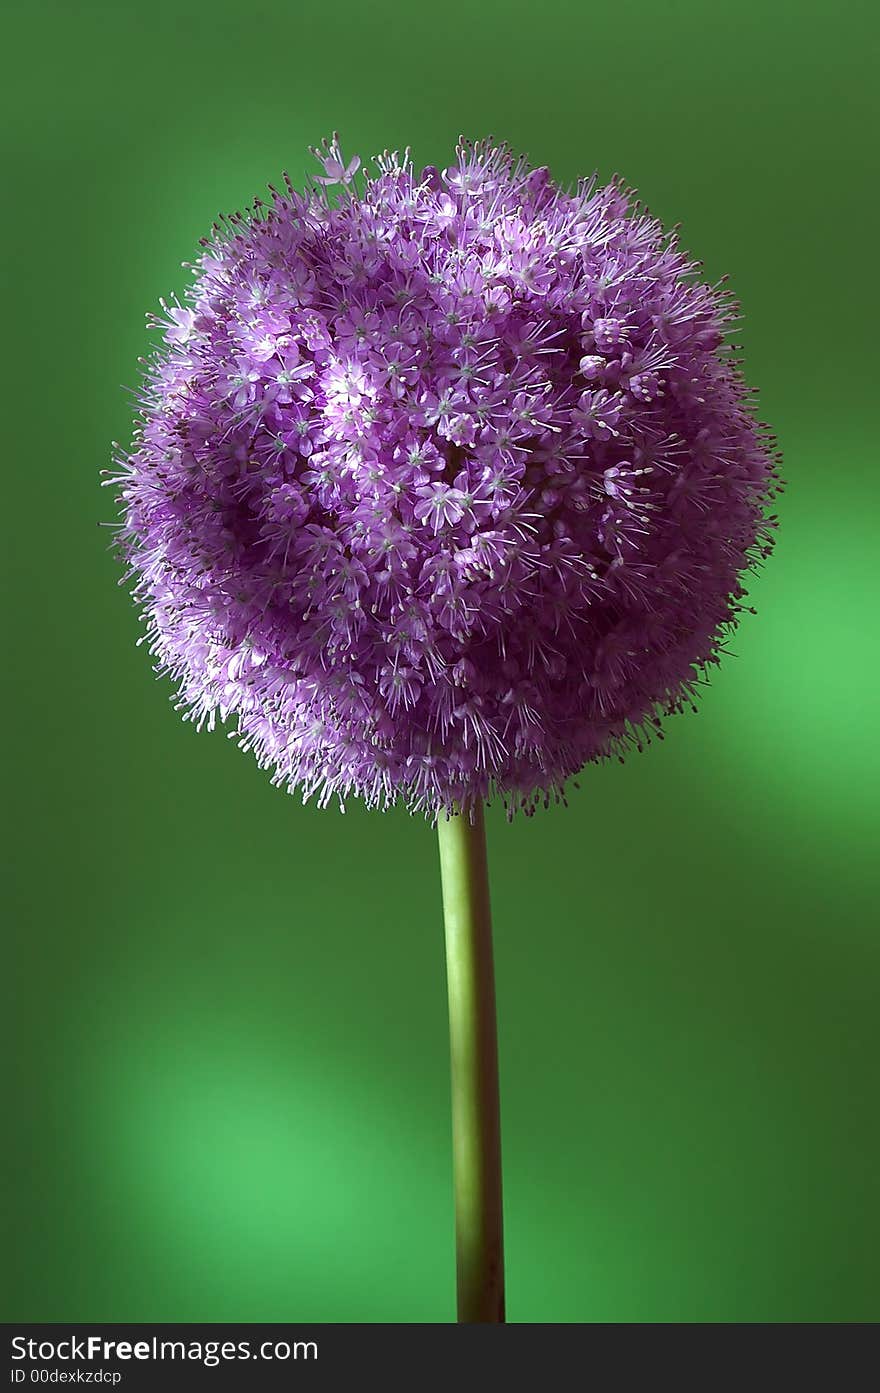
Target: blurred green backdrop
x,y
226,1065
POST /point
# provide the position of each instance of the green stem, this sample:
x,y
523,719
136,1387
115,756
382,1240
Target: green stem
x,y
476,1125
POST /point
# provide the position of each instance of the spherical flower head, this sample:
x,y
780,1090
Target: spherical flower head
x,y
444,484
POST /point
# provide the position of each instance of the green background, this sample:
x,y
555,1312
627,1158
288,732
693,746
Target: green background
x,y
226,1059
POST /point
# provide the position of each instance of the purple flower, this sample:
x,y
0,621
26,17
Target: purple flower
x,y
181,323
443,486
336,171
439,505
300,427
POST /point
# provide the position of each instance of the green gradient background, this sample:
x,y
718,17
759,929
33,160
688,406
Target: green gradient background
x,y
226,1056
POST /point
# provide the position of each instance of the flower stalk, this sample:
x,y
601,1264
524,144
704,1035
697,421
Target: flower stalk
x,y
476,1122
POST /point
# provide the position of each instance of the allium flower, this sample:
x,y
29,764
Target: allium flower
x,y
443,484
